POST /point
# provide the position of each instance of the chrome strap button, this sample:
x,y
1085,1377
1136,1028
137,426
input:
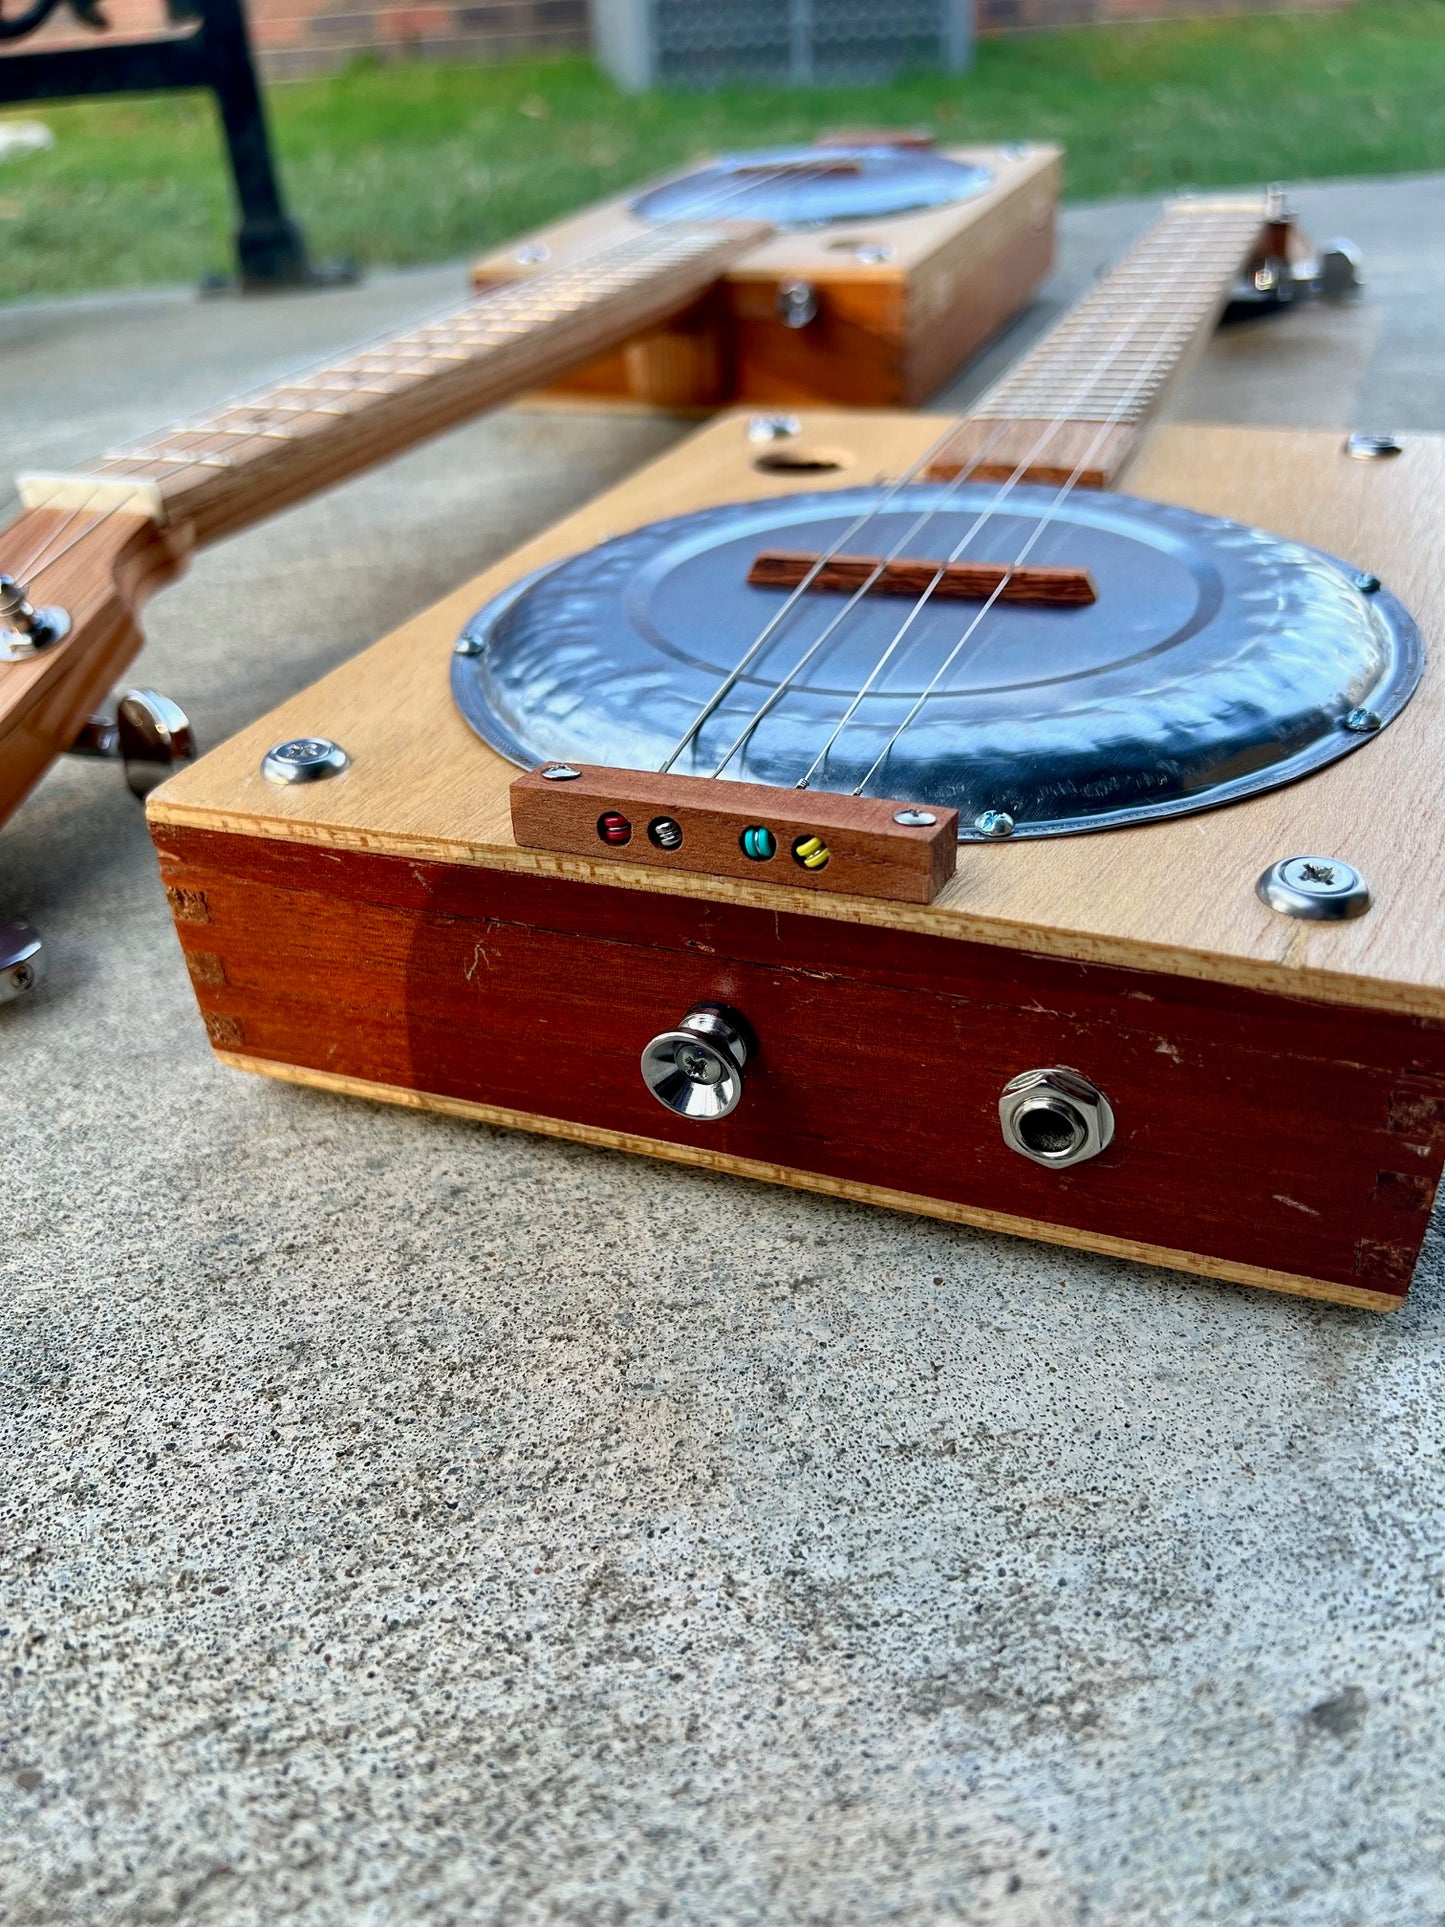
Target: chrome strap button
x,y
696,1071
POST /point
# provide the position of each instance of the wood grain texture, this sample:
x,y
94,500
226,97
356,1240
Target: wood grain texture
x,y
888,332
916,576
97,542
103,582
1259,1137
1175,897
251,458
876,1196
849,845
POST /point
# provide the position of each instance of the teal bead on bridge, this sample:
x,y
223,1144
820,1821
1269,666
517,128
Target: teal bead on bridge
x,y
759,843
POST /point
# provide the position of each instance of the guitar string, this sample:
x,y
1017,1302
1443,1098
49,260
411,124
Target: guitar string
x,y
730,681
1060,420
621,253
815,569
301,373
1019,560
1120,410
38,559
310,370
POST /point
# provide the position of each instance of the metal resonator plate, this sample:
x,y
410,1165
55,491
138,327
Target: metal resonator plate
x,y
1217,662
790,187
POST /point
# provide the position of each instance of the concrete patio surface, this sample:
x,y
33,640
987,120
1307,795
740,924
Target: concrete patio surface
x,y
407,1521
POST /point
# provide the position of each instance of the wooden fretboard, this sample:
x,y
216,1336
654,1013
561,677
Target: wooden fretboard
x,y
253,457
1079,400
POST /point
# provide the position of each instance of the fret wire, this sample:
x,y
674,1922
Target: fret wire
x,y
454,336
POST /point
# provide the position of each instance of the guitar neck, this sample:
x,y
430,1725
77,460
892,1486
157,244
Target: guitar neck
x,y
95,543
1074,408
253,457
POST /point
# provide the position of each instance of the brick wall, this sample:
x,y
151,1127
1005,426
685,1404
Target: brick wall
x,y
313,36
307,36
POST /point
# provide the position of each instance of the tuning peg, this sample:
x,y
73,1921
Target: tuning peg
x,y
1339,270
22,960
149,735
24,630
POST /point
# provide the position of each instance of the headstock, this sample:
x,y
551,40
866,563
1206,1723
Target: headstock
x,y
84,576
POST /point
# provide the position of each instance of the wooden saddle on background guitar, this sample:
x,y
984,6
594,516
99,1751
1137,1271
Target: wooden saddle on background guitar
x,y
983,842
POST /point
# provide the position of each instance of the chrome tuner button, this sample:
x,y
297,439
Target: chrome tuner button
x,y
305,759
153,739
696,1071
149,735
22,961
25,631
1340,269
1056,1117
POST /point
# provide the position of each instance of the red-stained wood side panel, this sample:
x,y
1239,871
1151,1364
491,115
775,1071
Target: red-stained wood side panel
x,y
1261,1131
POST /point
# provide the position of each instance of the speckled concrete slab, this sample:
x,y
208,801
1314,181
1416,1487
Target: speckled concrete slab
x,y
406,1521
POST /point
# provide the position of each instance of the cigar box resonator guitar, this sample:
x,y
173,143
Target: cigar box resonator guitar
x,y
1045,838
888,261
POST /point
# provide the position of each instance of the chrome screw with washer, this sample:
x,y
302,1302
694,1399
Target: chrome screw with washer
x,y
1362,447
1320,889
774,428
305,759
797,304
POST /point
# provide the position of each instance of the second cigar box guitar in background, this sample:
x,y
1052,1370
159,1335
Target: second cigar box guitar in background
x,y
891,258
983,842
888,261
964,240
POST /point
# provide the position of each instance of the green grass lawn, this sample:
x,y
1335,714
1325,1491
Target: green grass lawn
x,y
416,163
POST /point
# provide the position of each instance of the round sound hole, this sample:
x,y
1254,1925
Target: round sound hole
x,y
802,461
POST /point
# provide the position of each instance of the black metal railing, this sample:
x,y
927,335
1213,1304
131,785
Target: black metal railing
x,y
208,48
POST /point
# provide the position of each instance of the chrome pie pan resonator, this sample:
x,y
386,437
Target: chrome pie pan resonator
x,y
1217,662
808,187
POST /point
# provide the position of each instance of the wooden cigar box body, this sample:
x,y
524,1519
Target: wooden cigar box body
x,y
887,333
1278,1087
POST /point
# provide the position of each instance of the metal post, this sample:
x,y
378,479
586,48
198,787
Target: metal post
x,y
270,250
216,57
